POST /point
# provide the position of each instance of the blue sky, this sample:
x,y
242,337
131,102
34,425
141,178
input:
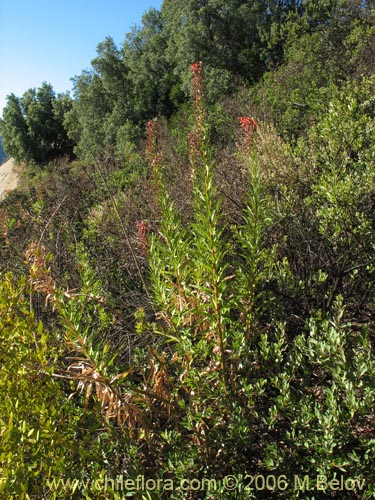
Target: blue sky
x,y
54,40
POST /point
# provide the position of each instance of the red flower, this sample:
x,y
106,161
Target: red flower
x,y
249,127
195,68
248,124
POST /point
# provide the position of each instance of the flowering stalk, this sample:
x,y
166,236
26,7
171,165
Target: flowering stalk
x,y
255,260
197,70
210,251
197,138
249,127
169,248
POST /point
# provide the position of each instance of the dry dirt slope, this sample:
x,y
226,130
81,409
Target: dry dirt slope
x,y
9,179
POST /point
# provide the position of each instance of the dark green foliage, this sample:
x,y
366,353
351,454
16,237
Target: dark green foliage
x,y
321,46
32,126
154,85
231,38
125,88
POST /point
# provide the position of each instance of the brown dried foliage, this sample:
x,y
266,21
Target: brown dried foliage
x,y
39,272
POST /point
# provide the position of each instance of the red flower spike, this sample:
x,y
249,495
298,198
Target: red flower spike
x,y
248,124
195,68
249,127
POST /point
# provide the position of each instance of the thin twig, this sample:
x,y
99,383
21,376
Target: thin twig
x,y
50,219
123,229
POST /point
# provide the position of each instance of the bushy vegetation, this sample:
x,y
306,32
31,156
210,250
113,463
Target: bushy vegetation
x,y
187,308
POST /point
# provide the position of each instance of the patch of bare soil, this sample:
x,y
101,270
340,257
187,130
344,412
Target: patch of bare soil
x,y
9,178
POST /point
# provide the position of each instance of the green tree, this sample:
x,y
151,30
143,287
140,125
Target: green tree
x,y
32,126
125,87
103,103
155,86
14,129
232,39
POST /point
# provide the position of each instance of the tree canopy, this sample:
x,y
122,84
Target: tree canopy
x,y
32,126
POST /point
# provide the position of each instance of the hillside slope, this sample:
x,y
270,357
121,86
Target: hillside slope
x,y
9,178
